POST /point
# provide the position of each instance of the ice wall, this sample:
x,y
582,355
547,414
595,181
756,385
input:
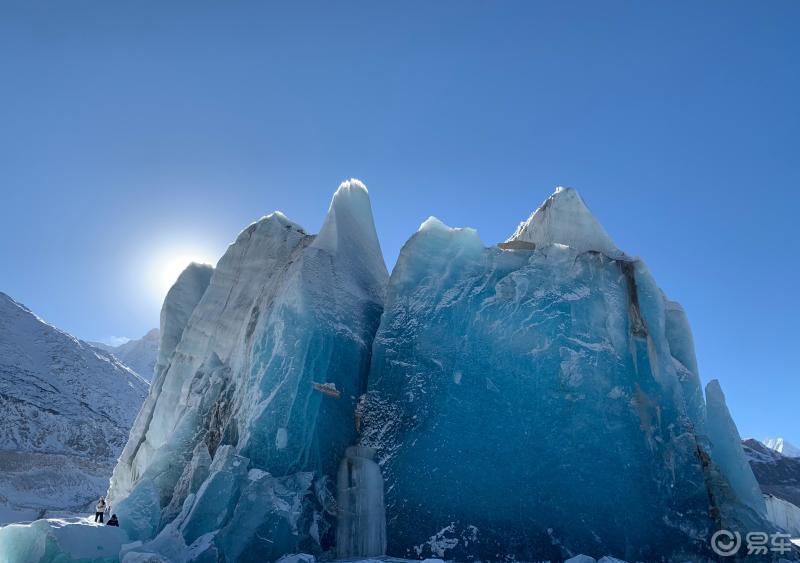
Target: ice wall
x,y
237,441
783,514
536,401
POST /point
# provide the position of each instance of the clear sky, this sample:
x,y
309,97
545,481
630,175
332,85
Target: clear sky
x,y
136,135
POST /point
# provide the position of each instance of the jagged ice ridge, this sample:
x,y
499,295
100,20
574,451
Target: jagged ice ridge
x,y
535,399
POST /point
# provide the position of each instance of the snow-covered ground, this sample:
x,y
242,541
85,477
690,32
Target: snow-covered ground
x,y
81,540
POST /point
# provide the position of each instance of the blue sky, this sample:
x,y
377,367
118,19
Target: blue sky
x,y
133,134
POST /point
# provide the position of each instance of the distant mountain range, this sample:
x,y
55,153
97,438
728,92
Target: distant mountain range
x,y
139,355
66,408
778,476
782,446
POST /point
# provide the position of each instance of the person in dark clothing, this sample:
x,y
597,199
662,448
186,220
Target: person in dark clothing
x,y
99,510
113,521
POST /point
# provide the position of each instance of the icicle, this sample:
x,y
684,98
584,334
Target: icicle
x,y
361,530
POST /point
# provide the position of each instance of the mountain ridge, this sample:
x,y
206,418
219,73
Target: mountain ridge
x,y
65,411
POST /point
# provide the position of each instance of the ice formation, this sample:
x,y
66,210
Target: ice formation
x,y
61,540
783,514
537,399
235,450
564,219
727,450
361,526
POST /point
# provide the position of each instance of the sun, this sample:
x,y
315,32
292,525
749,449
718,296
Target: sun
x,y
168,266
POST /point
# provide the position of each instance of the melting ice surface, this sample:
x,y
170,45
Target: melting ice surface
x,y
533,400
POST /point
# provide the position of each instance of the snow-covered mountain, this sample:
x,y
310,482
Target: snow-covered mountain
x,y
777,474
779,478
65,411
781,446
139,355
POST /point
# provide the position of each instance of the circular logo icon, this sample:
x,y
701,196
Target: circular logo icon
x,y
726,543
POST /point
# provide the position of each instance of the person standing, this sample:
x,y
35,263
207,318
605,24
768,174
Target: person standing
x,y
99,510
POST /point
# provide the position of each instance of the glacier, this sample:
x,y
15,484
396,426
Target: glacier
x,y
234,439
540,398
537,399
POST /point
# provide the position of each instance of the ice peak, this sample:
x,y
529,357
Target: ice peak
x,y
194,271
564,218
352,184
349,228
272,222
349,219
714,391
433,223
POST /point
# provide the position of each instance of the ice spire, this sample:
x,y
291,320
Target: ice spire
x,y
349,232
182,298
563,218
727,452
179,304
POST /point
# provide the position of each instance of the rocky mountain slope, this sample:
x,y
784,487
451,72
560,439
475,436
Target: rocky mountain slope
x,y
65,411
777,474
779,478
140,354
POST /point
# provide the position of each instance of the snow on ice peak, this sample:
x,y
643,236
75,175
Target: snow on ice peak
x,y
564,218
433,223
349,218
350,228
271,222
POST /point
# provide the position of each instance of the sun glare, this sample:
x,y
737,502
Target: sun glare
x,y
170,265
